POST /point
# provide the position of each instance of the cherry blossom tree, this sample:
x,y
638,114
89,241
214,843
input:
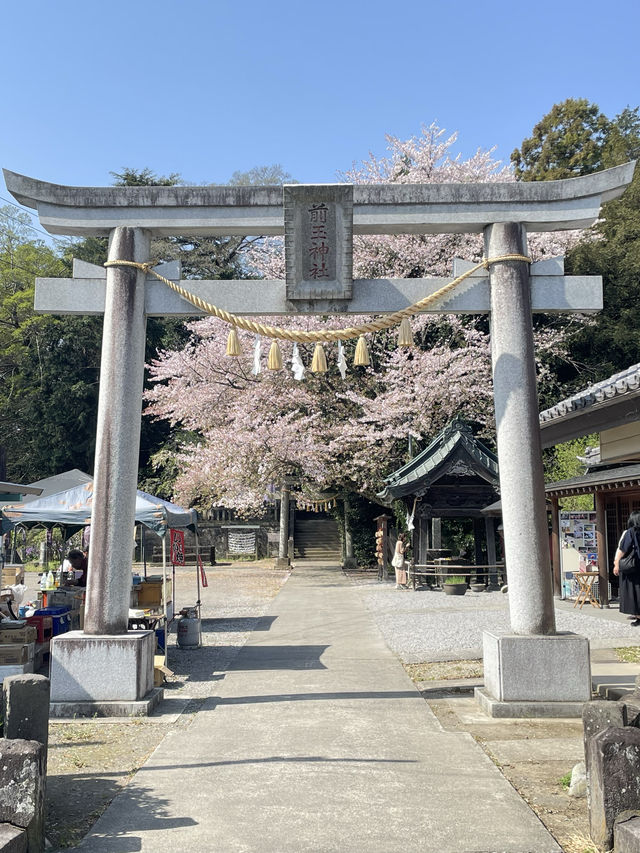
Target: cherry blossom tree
x,y
332,433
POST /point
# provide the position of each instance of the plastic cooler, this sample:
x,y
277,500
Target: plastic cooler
x,y
159,641
60,618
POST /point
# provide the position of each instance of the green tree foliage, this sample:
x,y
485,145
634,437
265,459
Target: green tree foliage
x,y
262,176
563,462
48,365
613,342
575,138
567,142
129,177
362,514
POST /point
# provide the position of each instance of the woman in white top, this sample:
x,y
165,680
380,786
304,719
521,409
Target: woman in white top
x,y
399,564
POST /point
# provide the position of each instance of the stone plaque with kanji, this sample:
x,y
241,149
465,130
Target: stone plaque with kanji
x,y
318,223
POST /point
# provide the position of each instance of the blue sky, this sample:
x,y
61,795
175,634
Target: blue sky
x,y
207,88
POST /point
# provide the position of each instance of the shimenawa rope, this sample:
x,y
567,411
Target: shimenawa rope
x,y
278,333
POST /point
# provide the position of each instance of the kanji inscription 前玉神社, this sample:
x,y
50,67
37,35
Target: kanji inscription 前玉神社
x,y
319,241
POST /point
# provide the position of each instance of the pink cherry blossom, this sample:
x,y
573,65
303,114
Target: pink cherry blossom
x,y
334,434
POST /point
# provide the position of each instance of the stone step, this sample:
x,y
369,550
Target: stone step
x,y
318,546
303,551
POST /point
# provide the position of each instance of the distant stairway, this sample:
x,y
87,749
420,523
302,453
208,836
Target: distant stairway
x,y
318,539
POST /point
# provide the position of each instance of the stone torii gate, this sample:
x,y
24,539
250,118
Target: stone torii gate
x,y
106,664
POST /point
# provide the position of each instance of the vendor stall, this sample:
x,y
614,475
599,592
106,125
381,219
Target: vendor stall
x,y
70,510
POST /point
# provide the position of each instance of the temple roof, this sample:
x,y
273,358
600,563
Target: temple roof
x,y
612,402
453,452
624,476
625,382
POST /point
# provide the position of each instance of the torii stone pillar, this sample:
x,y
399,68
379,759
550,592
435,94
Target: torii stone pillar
x,y
526,539
117,436
114,670
533,665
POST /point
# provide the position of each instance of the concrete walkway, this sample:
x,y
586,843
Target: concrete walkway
x,y
317,741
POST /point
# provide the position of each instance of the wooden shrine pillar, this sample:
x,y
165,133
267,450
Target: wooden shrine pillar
x,y
555,548
382,545
423,540
436,533
490,533
477,541
601,547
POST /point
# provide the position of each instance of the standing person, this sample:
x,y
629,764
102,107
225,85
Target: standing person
x,y
399,564
77,562
629,582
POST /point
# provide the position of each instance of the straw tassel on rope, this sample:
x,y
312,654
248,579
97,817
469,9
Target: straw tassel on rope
x,y
233,343
275,357
319,363
362,353
405,334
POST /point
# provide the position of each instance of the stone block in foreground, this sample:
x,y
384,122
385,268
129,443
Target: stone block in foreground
x,y
22,788
12,839
25,708
614,780
627,835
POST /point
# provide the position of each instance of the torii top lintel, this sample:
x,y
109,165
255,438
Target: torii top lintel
x,y
377,208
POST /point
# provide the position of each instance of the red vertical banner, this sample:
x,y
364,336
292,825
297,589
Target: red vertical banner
x,y
203,574
177,547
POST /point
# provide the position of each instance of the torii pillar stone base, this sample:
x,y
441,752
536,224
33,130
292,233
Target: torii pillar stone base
x,y
107,676
548,675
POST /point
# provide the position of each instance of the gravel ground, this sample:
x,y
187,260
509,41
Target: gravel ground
x,y
428,625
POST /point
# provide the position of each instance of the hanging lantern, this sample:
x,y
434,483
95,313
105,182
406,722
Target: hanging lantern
x,y
405,335
233,343
275,357
319,363
362,353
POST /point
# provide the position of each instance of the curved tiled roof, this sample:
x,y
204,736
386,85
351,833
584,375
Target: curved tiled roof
x,y
617,385
420,471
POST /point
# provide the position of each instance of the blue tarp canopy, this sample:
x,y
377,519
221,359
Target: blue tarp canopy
x,y
71,510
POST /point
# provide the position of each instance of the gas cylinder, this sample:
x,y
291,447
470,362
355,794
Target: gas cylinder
x,y
189,628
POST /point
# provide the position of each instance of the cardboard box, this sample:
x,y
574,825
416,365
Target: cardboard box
x,y
17,654
160,671
11,636
150,593
12,573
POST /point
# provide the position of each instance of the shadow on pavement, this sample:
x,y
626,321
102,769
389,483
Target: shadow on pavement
x,y
249,623
279,657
